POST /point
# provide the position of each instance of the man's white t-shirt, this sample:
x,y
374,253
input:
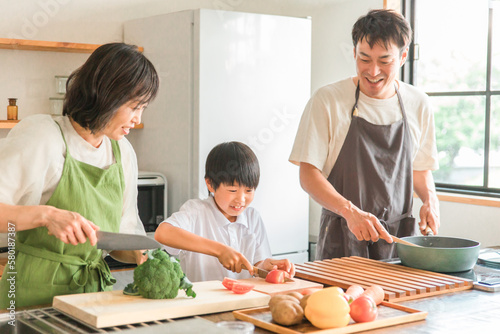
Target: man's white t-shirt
x,y
327,116
246,235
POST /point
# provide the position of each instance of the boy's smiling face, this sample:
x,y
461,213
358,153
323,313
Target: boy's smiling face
x,y
231,200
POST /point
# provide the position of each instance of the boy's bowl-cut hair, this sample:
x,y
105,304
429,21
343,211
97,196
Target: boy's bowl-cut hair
x,y
232,162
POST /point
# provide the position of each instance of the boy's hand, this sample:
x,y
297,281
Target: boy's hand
x,y
270,264
234,261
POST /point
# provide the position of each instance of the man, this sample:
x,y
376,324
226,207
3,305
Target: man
x,y
364,144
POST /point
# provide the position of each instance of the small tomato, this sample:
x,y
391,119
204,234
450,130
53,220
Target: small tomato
x,y
276,276
228,283
363,309
241,288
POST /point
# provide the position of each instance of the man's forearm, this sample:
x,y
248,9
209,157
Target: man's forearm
x,y
423,184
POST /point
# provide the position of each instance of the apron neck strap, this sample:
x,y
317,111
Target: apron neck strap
x,y
354,111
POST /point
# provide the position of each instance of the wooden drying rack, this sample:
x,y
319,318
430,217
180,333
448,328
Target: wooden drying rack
x,y
399,282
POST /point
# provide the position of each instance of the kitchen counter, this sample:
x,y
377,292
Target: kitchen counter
x,y
466,311
460,312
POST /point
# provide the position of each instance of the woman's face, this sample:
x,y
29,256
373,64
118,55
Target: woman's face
x,y
125,118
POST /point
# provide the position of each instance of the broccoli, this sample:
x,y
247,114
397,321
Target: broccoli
x,y
159,277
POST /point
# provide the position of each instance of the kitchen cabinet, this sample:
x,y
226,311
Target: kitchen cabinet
x,y
33,45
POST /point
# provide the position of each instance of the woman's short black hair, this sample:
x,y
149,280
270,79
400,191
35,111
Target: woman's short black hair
x,y
232,162
382,26
114,74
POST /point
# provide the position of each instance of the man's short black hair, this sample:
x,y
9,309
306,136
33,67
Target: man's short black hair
x,y
114,74
232,162
382,26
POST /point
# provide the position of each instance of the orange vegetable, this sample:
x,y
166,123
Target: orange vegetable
x,y
353,292
376,293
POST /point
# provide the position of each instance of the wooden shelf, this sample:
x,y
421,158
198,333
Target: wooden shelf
x,y
32,45
8,124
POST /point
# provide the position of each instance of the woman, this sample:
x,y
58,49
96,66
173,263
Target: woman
x,y
63,179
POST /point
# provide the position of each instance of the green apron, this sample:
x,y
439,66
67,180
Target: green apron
x,y
47,267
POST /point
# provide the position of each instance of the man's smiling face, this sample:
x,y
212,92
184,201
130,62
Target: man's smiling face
x,y
377,68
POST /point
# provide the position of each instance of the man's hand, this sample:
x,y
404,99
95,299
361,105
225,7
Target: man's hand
x,y
364,225
429,218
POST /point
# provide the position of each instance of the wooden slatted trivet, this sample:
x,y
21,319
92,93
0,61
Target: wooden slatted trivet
x,y
399,282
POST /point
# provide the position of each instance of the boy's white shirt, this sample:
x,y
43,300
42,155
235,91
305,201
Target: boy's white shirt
x,y
246,235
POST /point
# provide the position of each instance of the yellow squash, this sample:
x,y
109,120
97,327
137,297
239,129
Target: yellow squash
x,y
327,308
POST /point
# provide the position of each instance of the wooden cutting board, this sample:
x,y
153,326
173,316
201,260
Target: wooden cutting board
x,y
399,282
113,308
275,289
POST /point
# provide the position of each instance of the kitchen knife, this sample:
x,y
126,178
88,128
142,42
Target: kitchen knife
x,y
122,241
263,273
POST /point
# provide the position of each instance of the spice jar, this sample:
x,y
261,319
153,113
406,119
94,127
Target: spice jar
x,y
12,109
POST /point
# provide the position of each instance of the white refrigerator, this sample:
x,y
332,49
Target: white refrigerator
x,y
228,76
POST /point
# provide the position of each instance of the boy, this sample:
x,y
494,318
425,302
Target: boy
x,y
222,229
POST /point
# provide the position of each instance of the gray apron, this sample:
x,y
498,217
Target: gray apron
x,y
373,171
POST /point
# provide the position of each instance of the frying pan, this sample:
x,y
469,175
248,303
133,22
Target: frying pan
x,y
439,254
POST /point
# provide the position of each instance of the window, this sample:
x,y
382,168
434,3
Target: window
x,y
456,61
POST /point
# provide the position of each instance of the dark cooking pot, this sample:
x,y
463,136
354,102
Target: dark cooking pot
x,y
440,254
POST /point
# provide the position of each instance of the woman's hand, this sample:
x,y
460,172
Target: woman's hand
x,y
70,227
271,264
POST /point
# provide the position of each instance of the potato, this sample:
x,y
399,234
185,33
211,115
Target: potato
x,y
286,312
296,295
275,299
303,301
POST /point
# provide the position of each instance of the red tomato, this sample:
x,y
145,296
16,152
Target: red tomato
x,y
363,309
276,276
241,288
228,283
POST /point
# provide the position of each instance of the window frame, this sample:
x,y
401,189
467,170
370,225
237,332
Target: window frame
x,y
409,74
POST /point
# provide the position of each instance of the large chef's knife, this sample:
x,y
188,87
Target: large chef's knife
x,y
263,273
122,241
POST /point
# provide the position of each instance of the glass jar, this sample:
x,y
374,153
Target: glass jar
x,y
61,84
12,109
56,105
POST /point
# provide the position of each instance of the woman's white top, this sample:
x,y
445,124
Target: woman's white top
x,y
32,160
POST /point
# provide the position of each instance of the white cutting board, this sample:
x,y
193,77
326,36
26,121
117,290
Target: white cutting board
x,y
113,308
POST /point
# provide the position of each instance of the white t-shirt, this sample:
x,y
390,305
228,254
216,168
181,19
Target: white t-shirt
x,y
246,235
327,116
32,158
